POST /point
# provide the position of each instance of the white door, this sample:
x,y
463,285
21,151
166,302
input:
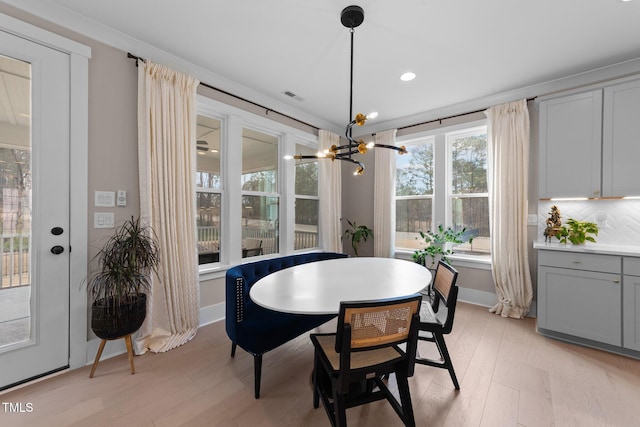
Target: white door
x,y
34,210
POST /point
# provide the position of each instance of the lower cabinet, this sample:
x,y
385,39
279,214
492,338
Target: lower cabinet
x,y
631,304
581,303
591,299
581,295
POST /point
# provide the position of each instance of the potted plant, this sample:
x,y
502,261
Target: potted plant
x,y
117,289
356,233
439,245
578,232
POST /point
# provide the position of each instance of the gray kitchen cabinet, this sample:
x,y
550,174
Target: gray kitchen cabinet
x,y
621,140
570,145
590,142
631,303
579,295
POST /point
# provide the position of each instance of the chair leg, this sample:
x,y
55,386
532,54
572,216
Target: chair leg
x,y
405,400
316,393
442,347
257,372
339,408
233,349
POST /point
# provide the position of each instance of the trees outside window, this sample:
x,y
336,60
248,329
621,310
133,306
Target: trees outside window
x,y
443,180
307,201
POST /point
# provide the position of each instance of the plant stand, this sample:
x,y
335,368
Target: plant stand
x,y
127,340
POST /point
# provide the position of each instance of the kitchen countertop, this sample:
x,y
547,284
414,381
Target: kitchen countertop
x,y
595,248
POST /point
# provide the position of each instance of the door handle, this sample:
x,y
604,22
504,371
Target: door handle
x,y
56,231
57,250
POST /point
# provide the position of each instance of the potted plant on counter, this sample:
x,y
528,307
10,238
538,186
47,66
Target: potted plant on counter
x,y
577,232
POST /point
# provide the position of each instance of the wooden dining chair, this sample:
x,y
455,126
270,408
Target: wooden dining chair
x,y
436,317
350,365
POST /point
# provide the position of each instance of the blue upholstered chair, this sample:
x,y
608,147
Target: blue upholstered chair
x,y
258,330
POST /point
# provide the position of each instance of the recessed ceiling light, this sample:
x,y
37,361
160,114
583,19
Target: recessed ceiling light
x,y
407,77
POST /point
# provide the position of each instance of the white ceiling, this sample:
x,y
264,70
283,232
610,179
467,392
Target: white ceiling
x,y
461,50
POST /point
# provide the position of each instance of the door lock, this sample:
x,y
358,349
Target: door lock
x,y
57,250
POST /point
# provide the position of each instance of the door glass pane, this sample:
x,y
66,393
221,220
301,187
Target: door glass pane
x,y
15,201
209,187
260,201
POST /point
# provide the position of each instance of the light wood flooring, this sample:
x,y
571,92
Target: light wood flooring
x,y
509,376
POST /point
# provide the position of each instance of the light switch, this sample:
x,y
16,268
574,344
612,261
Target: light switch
x,y
104,199
532,219
103,220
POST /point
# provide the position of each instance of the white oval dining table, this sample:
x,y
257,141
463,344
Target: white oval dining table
x,y
319,287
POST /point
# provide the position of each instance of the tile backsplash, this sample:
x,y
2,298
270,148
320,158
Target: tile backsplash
x,y
618,220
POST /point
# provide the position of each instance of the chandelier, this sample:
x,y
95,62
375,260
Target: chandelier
x,y
351,17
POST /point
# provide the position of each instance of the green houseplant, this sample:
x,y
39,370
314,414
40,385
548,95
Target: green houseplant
x,y
437,248
117,289
577,232
356,233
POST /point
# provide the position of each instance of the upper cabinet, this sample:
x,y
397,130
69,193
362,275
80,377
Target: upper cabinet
x,y
621,140
570,145
590,143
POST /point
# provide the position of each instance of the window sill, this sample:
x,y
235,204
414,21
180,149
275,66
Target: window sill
x,y
479,262
219,270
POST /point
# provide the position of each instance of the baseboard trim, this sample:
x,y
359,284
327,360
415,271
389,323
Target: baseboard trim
x,y
208,315
487,299
215,313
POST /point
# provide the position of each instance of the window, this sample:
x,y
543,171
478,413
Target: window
x,y
208,189
260,198
468,193
414,193
443,180
306,209
251,202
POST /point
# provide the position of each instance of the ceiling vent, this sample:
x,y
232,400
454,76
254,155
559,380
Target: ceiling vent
x,y
292,95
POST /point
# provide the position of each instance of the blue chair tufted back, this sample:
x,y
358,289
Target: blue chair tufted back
x,y
257,329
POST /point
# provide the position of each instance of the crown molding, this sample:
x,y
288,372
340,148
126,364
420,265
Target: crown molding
x,y
97,31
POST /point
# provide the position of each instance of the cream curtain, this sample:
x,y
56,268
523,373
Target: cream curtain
x,y
330,193
384,205
508,132
166,131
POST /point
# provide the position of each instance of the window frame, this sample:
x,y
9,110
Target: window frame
x,y
297,196
277,194
233,120
409,144
443,174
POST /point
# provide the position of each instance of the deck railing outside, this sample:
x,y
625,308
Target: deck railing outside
x,y
15,260
15,257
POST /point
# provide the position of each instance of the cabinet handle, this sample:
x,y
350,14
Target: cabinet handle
x,y
616,280
577,261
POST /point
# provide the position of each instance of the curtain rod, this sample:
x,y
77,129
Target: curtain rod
x,y
450,117
267,109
